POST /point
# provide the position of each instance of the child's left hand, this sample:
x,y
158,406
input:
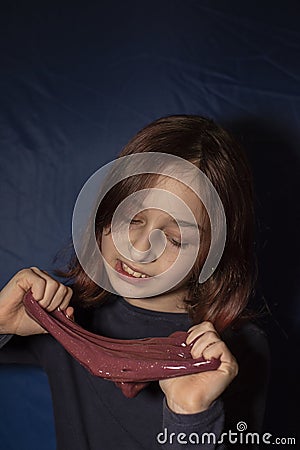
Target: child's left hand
x,y
192,394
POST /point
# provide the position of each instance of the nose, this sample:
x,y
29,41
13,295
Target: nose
x,y
139,246
146,245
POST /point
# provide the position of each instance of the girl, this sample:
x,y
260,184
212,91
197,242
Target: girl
x,y
91,412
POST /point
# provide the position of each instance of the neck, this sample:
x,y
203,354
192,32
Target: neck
x,y
169,302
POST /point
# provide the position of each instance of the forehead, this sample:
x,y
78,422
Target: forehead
x,y
187,196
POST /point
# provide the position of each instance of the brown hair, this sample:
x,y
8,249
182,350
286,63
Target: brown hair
x,y
222,299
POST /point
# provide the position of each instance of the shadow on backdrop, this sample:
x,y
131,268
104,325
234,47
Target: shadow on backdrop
x,y
271,149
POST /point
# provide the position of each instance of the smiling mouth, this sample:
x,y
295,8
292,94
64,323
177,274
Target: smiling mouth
x,y
129,271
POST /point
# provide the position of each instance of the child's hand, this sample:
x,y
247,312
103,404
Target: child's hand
x,y
191,394
48,292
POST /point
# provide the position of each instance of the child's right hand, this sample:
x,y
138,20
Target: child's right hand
x,y
48,292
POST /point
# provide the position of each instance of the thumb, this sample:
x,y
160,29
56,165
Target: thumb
x,y
69,313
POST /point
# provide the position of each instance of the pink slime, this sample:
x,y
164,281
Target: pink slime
x,y
131,364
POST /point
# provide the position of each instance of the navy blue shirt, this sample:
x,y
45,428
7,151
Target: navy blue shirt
x,y
92,413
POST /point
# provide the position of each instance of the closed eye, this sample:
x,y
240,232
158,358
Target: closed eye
x,y
177,244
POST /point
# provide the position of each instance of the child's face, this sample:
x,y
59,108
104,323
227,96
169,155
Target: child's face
x,y
135,275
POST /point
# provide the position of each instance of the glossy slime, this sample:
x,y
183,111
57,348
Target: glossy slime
x,y
131,364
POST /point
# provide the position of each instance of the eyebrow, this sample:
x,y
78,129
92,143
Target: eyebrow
x,y
180,222
184,223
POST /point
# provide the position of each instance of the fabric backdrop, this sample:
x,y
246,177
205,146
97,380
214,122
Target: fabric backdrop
x,y
79,78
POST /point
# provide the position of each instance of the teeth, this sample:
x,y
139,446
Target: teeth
x,y
132,272
137,274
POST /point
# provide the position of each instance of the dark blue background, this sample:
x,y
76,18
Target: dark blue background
x,y
78,79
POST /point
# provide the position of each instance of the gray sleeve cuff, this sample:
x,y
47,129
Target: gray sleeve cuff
x,y
203,428
4,338
205,418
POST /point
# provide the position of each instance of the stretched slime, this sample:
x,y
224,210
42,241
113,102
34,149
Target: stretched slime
x,y
131,364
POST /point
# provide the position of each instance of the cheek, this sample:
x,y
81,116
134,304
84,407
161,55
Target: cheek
x,y
107,246
168,258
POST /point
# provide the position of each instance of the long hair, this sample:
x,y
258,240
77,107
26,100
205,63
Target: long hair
x,y
223,298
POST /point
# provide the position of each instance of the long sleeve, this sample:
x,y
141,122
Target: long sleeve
x,y
241,405
4,338
187,430
19,349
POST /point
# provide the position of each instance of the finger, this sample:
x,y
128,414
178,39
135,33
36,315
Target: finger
x,y
27,279
219,350
57,299
198,330
206,324
51,288
204,341
40,274
55,294
69,312
66,300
